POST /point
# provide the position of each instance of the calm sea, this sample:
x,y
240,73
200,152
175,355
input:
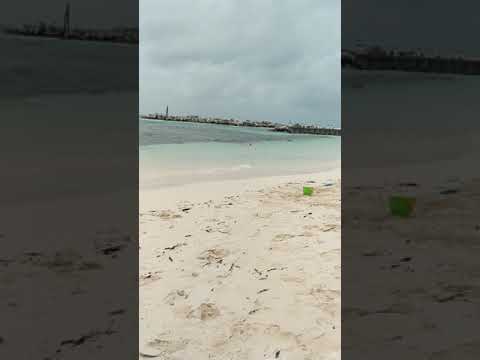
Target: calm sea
x,y
177,153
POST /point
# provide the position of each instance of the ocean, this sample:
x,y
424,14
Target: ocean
x,y
174,153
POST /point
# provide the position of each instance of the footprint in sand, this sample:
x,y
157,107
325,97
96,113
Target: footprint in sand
x,y
175,295
213,256
205,311
282,237
220,226
280,342
150,277
325,295
263,216
292,279
312,227
164,214
162,348
307,234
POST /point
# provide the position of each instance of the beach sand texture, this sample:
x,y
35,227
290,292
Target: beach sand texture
x,y
244,269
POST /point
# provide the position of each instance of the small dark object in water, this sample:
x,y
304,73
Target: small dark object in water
x,y
277,354
170,258
449,191
186,209
261,291
406,259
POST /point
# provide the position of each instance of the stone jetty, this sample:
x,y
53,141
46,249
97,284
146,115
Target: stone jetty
x,y
292,129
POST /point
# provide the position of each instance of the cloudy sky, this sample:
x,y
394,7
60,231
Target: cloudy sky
x,y
273,60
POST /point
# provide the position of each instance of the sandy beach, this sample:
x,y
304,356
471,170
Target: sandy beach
x,y
241,269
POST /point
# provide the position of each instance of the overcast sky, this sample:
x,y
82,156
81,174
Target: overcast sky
x,y
273,60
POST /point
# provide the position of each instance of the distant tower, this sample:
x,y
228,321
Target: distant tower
x,y
66,21
166,112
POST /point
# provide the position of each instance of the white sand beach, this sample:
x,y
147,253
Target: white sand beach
x,y
241,269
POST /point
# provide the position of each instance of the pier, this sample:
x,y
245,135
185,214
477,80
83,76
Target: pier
x,y
291,129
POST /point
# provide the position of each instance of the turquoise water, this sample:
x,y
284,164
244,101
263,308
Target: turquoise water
x,y
178,153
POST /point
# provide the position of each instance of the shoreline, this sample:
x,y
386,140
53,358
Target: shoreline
x,y
233,178
225,186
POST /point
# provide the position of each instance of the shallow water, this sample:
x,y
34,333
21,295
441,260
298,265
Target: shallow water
x,y
178,153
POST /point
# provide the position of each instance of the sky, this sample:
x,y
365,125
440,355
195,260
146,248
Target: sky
x,y
276,60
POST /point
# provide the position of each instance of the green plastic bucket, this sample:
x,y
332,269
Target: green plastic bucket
x,y
307,190
401,205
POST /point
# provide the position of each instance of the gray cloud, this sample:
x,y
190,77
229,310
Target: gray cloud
x,y
251,59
